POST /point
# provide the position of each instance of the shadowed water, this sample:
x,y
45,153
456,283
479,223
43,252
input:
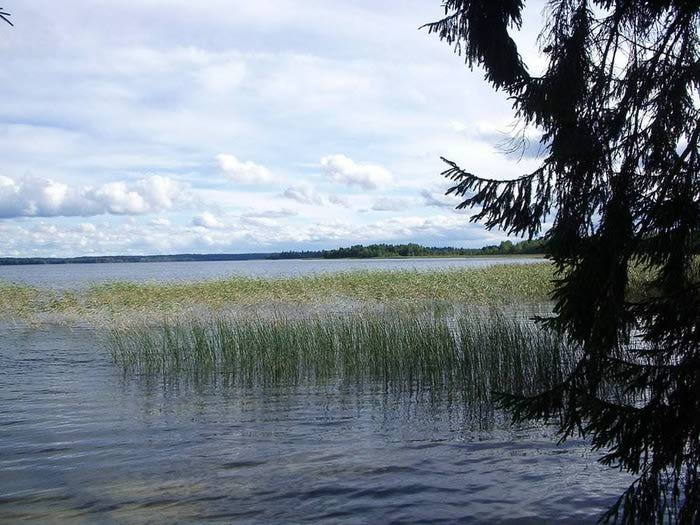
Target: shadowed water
x,y
81,442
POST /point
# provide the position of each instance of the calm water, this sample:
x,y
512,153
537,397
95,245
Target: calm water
x,y
82,443
77,275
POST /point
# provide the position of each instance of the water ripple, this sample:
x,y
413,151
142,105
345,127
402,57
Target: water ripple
x,y
79,442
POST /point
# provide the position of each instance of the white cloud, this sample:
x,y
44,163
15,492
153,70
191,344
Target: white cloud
x,y
124,236
344,170
244,172
271,214
207,220
160,221
458,126
338,200
437,198
304,193
144,101
222,77
37,197
393,204
156,193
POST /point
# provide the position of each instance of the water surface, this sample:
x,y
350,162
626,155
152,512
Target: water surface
x,y
65,276
80,442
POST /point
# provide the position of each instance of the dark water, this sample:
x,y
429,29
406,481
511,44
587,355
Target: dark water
x,y
76,275
82,443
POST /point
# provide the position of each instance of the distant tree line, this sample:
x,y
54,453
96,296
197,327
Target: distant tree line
x,y
359,251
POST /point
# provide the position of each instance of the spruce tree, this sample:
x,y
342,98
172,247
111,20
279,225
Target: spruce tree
x,y
618,108
5,16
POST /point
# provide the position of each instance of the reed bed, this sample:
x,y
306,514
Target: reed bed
x,y
474,352
22,300
101,304
503,284
495,284
507,284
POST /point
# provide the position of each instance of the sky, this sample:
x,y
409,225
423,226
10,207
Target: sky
x,y
219,126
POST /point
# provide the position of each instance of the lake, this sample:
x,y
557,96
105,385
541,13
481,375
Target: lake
x,y
84,441
63,276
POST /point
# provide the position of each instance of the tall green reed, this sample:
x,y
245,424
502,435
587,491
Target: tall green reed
x,y
468,350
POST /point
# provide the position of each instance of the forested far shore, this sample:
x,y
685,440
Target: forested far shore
x,y
358,251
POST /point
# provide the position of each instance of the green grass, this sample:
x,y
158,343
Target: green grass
x,y
465,350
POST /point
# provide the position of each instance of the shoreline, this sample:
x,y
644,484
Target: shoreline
x,y
48,261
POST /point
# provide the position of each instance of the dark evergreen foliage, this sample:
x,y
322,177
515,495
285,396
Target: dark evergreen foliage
x,y
5,16
618,107
360,251
535,246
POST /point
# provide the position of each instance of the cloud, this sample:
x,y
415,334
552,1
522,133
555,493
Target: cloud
x,y
452,229
126,236
393,204
304,193
222,77
38,197
270,214
207,220
338,200
344,170
157,193
511,139
144,102
438,199
244,172
458,126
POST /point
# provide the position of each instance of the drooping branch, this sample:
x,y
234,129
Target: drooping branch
x,y
479,29
618,110
517,205
5,16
